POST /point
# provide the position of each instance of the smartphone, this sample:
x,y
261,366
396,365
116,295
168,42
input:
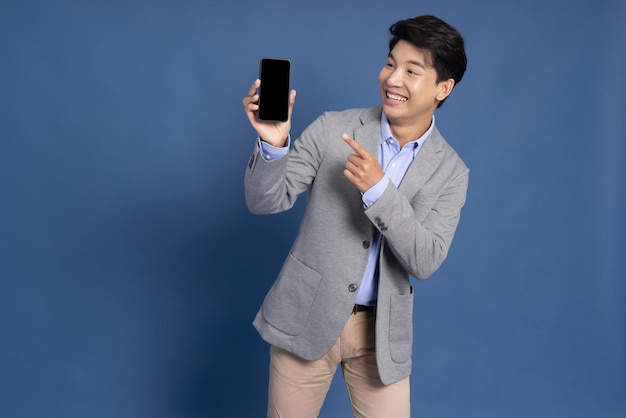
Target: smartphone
x,y
274,90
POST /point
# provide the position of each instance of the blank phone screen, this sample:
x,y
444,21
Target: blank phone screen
x,y
274,91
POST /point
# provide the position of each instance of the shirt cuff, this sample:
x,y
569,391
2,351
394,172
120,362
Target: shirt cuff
x,y
372,195
270,152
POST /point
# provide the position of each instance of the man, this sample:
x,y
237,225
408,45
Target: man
x,y
385,192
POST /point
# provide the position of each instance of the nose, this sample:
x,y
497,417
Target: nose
x,y
395,78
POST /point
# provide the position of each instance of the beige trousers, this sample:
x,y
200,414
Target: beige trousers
x,y
297,388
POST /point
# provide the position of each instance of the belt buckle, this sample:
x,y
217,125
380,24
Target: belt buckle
x,y
362,308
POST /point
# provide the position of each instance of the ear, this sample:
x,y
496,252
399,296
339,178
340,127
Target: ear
x,y
445,88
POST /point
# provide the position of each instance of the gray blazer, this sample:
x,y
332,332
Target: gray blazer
x,y
310,302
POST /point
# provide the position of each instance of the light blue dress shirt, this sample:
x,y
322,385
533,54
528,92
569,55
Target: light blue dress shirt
x,y
395,161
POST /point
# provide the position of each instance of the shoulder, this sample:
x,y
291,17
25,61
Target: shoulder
x,y
449,153
332,123
356,115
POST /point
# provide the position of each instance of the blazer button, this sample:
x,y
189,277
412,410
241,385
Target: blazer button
x,y
366,244
352,288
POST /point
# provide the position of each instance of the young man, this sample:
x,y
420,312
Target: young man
x,y
385,193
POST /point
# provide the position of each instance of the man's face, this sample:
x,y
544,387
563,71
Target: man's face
x,y
408,86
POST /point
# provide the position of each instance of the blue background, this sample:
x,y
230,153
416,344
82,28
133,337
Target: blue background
x,y
130,268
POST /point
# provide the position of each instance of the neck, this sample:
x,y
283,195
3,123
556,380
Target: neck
x,y
407,133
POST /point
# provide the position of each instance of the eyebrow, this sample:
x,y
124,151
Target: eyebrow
x,y
417,63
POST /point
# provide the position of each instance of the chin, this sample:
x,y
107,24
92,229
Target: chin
x,y
391,110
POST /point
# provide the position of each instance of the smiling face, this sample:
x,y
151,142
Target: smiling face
x,y
409,90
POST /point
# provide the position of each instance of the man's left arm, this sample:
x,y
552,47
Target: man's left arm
x,y
419,232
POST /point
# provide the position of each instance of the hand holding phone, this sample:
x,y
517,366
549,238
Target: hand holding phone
x,y
274,90
271,131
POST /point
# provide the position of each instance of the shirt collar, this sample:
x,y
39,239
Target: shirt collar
x,y
385,133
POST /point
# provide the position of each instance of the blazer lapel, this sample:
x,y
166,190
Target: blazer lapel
x,y
426,162
368,134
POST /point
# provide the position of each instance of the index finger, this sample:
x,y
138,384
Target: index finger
x,y
354,145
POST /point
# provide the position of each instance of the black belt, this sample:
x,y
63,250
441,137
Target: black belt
x,y
363,308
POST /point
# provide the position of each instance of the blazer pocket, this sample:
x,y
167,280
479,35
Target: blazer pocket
x,y
287,305
401,328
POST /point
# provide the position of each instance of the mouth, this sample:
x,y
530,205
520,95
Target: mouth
x,y
396,97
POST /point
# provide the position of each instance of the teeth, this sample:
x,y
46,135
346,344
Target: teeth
x,y
396,98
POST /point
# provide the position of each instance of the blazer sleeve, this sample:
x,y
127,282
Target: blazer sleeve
x,y
274,186
419,230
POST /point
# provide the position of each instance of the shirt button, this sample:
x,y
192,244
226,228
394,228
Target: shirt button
x,y
366,244
352,288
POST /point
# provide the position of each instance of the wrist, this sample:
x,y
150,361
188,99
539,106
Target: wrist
x,y
276,144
